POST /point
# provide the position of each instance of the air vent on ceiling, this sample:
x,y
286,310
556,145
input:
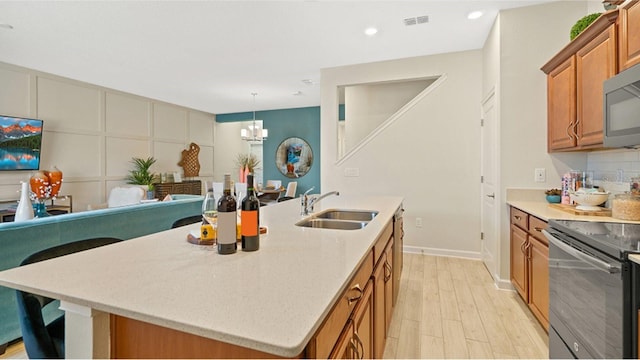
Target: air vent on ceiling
x,y
416,20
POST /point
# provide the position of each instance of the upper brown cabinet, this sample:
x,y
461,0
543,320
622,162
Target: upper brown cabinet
x,y
574,86
629,31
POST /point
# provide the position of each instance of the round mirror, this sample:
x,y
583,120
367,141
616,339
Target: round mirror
x,y
294,157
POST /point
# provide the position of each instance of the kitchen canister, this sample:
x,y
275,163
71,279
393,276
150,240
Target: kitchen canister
x,y
626,207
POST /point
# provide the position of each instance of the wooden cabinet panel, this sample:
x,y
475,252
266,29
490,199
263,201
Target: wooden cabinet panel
x,y
345,348
363,323
561,106
388,287
539,281
519,276
595,63
334,323
382,299
134,339
530,264
629,30
520,218
379,326
535,229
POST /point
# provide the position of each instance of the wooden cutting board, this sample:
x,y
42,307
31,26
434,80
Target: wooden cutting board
x,y
571,209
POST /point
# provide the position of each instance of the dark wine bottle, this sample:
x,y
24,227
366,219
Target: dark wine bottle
x,y
227,220
250,218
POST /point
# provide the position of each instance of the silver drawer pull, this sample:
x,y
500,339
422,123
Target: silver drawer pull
x,y
538,229
357,297
517,217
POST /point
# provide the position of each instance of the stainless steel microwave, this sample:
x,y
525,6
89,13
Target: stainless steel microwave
x,y
622,109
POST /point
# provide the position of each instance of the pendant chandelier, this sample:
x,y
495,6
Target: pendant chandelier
x,y
254,132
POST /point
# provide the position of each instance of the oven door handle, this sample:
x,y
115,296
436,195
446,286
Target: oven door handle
x,y
595,262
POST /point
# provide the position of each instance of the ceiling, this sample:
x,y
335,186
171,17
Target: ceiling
x,y
211,55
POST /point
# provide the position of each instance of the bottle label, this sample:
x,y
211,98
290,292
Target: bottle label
x,y
249,221
226,227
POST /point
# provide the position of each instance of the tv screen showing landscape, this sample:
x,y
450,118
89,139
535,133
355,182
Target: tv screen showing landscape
x,y
20,142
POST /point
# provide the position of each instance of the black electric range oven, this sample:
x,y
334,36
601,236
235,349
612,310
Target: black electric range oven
x,y
593,294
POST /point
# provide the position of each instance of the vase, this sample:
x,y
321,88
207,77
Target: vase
x,y
24,211
41,209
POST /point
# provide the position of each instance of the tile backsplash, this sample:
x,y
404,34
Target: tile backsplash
x,y
613,169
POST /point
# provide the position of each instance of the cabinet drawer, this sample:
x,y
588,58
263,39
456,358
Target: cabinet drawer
x,y
336,320
535,229
520,218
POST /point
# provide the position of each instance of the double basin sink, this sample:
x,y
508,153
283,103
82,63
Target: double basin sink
x,y
339,219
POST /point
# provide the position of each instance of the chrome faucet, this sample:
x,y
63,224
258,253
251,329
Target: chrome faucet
x,y
307,203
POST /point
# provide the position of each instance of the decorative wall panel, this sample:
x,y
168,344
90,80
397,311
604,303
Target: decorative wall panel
x,y
127,115
14,93
63,105
170,122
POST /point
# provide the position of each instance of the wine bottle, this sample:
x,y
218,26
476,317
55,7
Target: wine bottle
x,y
227,220
250,218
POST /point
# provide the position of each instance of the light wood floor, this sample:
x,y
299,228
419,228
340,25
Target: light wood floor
x,y
449,308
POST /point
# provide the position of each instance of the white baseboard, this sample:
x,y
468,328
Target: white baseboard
x,y
499,283
442,252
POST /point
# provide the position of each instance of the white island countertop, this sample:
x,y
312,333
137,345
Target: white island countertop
x,y
272,300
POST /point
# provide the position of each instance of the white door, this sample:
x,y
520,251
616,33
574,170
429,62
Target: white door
x,y
489,210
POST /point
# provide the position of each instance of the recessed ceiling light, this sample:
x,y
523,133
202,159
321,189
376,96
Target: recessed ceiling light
x,y
5,26
474,15
297,93
371,31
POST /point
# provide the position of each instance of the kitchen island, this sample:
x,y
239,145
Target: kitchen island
x,y
272,301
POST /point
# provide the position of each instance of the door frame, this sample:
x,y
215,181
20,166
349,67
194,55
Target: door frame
x,y
492,95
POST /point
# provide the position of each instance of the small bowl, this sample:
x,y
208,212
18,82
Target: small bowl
x,y
589,199
554,199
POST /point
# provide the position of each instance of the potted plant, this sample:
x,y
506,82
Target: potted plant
x,y
553,196
142,175
247,161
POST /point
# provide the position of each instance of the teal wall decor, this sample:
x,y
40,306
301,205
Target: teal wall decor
x,y
303,123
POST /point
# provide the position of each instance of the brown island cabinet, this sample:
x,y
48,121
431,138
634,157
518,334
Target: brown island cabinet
x,y
356,327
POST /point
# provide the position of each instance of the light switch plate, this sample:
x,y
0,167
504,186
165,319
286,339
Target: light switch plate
x,y
540,175
352,172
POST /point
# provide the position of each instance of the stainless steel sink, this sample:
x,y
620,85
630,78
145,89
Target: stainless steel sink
x,y
339,219
356,215
332,224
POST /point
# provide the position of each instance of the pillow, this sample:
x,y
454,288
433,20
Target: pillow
x,y
123,196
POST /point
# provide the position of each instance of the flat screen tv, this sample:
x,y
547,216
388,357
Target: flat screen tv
x,y
20,142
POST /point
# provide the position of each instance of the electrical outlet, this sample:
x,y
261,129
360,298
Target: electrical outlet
x,y
540,175
419,222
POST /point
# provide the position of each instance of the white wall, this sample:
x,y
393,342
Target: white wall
x,y
91,132
430,156
525,43
368,106
229,145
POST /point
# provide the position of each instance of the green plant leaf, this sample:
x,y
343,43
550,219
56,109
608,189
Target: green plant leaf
x,y
582,24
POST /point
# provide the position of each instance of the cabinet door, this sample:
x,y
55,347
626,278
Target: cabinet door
x,y
629,35
539,281
595,63
519,261
388,287
345,347
363,323
561,106
379,326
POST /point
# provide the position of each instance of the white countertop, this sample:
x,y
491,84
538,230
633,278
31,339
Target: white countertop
x,y
272,300
544,211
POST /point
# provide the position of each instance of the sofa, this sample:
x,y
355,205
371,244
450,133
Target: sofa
x,y
19,240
